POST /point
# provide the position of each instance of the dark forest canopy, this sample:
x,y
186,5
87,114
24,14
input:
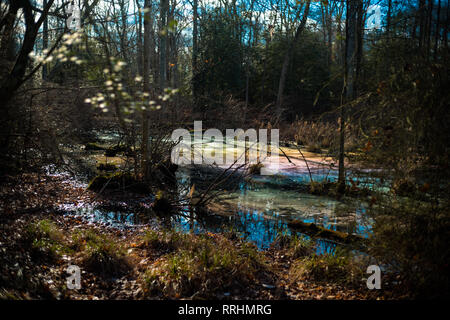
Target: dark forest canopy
x,y
263,61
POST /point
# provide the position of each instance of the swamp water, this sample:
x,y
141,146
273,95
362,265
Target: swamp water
x,y
262,208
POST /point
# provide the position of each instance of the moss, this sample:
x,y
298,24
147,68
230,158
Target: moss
x,y
118,180
93,146
113,151
321,232
323,188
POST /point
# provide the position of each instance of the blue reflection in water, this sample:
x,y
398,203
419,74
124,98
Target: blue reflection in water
x,y
252,226
256,226
263,211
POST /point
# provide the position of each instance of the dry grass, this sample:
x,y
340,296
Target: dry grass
x,y
337,268
318,136
101,254
201,265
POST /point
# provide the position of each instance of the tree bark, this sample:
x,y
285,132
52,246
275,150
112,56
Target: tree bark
x,y
422,25
195,52
446,27
429,27
163,44
288,57
16,76
388,18
140,59
146,87
438,31
353,46
45,41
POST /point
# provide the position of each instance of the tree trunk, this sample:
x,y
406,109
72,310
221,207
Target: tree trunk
x,y
163,44
146,84
388,18
140,53
287,58
15,78
45,41
422,24
429,26
438,31
360,21
195,56
352,46
446,27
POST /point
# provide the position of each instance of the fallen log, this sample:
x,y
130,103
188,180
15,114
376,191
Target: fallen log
x,y
320,232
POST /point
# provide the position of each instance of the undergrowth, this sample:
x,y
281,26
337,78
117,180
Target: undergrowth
x,y
201,265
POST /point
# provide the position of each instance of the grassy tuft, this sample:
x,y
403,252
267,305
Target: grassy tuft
x,y
101,254
295,246
336,268
203,265
46,239
163,240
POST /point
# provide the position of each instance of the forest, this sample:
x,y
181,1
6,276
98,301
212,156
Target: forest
x,y
224,149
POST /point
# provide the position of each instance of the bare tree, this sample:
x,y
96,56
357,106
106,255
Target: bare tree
x,y
288,58
16,77
146,83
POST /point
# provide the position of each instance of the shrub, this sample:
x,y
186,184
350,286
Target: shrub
x,y
162,204
101,254
315,135
411,238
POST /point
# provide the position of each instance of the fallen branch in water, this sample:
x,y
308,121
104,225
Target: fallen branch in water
x,y
321,232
